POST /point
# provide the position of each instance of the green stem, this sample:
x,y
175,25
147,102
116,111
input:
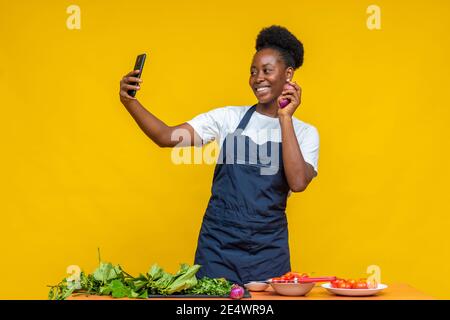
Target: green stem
x,y
99,257
126,273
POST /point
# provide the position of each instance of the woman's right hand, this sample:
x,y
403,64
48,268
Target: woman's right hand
x,y
160,133
129,82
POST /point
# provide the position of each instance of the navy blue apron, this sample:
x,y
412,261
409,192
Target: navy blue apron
x,y
244,235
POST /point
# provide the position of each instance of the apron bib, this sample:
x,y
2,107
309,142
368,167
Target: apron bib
x,y
244,235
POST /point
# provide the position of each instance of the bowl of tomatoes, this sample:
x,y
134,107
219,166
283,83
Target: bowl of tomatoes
x,y
295,284
353,287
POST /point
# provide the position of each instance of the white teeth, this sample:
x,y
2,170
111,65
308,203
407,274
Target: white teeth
x,y
262,89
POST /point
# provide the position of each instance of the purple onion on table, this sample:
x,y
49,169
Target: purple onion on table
x,y
237,292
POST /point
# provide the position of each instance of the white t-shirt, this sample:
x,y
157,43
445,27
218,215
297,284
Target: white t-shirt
x,y
218,123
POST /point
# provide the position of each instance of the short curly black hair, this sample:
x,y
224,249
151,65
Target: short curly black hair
x,y
282,40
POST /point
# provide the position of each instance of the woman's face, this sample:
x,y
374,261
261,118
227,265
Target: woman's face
x,y
268,74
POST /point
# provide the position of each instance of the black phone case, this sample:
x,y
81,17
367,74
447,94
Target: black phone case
x,y
139,65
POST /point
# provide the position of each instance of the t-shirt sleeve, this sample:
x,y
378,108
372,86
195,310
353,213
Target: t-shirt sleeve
x,y
309,146
209,125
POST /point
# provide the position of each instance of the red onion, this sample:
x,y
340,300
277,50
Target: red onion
x,y
237,292
285,102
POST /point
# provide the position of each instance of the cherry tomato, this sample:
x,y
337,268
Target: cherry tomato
x,y
292,276
337,282
351,282
334,283
360,285
288,275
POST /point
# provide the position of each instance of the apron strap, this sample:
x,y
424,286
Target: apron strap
x,y
246,118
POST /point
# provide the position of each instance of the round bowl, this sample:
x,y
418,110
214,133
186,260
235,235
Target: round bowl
x,y
256,285
292,289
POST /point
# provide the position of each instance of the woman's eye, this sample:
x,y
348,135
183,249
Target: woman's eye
x,y
265,71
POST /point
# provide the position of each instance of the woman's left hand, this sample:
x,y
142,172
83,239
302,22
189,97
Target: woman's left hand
x,y
294,96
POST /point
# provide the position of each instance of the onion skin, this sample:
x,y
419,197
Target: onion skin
x,y
237,292
284,102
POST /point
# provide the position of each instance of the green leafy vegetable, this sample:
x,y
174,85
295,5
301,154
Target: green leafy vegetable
x,y
109,279
184,279
119,289
211,286
106,272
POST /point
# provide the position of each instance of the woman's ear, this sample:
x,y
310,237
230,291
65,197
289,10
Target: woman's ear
x,y
289,73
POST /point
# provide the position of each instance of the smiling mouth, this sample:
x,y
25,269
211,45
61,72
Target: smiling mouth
x,y
262,90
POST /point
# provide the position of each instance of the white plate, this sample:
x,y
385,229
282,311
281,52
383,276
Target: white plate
x,y
354,292
256,285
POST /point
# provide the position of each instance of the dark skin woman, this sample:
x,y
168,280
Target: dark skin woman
x,y
267,70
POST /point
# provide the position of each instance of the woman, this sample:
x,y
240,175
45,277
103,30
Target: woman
x,y
244,235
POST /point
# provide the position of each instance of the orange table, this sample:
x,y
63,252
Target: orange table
x,y
398,291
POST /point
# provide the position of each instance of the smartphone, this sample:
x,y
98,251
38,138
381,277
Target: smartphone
x,y
139,65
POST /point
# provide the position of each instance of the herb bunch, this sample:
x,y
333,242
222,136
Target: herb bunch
x,y
109,279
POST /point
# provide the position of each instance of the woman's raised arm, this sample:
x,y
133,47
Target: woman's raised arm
x,y
160,133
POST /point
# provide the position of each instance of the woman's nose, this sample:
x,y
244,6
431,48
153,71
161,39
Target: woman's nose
x,y
260,77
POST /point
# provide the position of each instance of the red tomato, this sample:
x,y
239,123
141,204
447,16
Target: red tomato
x,y
360,285
337,282
344,285
351,282
287,276
334,283
292,274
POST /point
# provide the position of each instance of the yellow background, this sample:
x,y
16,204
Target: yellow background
x,y
77,173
